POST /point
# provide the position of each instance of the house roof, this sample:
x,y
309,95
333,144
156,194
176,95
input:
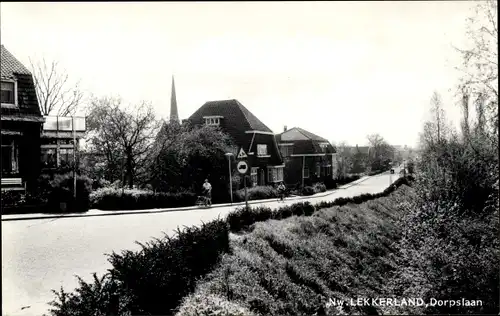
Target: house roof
x,y
10,66
304,142
297,133
233,112
361,149
27,109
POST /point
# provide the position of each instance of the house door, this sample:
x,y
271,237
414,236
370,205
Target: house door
x,y
262,177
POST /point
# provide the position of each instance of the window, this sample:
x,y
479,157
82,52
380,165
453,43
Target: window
x,y
261,150
306,172
328,170
275,174
286,151
66,157
8,91
212,121
253,175
318,169
323,147
9,157
49,157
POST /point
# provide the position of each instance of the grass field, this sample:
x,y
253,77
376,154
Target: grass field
x,y
297,265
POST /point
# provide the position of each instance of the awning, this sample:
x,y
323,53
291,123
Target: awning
x,y
11,133
23,118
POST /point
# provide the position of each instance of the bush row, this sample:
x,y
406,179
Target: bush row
x,y
53,191
256,193
375,172
243,218
153,280
133,199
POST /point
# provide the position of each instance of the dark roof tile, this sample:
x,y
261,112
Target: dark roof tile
x,y
10,65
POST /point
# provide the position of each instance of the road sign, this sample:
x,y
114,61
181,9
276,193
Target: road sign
x,y
242,167
241,154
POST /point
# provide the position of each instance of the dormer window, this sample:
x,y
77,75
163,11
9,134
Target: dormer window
x,y
212,120
9,95
323,146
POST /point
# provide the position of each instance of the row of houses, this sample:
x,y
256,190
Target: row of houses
x,y
31,143
294,156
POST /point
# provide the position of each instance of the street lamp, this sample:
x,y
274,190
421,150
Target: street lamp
x,y
229,155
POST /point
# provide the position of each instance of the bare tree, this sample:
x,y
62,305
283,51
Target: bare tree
x,y
55,94
125,136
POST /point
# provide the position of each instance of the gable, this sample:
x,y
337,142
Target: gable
x,y
292,135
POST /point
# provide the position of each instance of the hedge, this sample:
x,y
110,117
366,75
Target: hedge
x,y
242,218
256,193
151,281
134,199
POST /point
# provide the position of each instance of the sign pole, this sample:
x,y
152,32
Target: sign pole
x,y
230,179
242,168
246,191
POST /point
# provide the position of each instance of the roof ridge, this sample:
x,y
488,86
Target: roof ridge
x,y
240,106
304,134
246,111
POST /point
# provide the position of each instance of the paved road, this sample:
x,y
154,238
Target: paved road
x,y
44,254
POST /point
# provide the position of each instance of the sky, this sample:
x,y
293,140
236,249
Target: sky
x,y
342,70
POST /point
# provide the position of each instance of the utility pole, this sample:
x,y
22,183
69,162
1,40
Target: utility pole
x,y
74,156
303,166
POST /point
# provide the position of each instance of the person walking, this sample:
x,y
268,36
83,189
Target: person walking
x,y
207,190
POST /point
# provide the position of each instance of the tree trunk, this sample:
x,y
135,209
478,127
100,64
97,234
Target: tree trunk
x,y
130,171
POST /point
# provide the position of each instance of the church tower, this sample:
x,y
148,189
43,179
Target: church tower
x,y
174,114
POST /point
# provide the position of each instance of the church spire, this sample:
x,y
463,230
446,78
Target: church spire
x,y
174,114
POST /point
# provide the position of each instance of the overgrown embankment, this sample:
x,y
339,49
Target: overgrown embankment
x,y
296,265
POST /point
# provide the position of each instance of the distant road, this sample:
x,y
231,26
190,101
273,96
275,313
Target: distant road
x,y
40,255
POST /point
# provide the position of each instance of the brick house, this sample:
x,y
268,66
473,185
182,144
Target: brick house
x,y
247,132
308,158
21,125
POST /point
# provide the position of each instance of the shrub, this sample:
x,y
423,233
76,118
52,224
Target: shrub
x,y
257,193
348,179
244,217
330,183
133,199
375,172
308,190
151,281
62,191
319,187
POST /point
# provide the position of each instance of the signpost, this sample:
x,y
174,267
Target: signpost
x,y
242,168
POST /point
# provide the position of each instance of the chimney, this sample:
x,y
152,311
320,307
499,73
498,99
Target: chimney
x,y
284,129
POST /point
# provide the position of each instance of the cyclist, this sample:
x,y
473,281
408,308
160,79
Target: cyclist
x,y
207,190
281,191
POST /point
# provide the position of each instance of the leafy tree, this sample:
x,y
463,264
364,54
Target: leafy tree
x,y
184,155
121,137
381,153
